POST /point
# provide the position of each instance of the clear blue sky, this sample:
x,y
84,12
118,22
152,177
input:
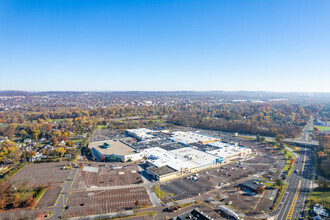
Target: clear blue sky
x,y
269,45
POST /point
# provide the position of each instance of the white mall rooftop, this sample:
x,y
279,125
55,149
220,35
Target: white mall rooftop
x,y
141,133
190,137
183,158
226,150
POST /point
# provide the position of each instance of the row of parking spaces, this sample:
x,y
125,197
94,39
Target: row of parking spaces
x,y
113,196
106,134
107,177
43,173
184,188
190,186
106,201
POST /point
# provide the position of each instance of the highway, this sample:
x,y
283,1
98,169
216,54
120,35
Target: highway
x,y
305,133
292,203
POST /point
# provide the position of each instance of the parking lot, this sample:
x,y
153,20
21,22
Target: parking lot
x,y
189,186
108,174
43,173
248,201
106,134
82,203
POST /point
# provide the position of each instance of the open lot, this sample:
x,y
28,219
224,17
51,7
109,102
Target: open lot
x,y
106,176
82,203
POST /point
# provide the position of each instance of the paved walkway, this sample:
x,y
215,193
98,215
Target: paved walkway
x,y
153,197
111,187
104,216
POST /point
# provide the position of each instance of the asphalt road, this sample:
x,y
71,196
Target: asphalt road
x,y
305,133
63,196
292,203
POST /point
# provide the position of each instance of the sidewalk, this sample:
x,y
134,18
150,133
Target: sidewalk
x,y
153,197
104,216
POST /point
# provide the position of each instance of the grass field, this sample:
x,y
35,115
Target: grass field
x,y
280,195
321,197
268,184
159,193
101,126
287,155
321,128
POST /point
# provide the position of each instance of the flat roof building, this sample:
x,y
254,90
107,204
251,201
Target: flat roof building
x,y
191,137
114,151
184,160
227,151
161,173
141,133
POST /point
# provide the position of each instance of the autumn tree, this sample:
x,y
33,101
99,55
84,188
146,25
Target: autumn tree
x,y
63,137
61,151
4,194
102,158
50,185
9,151
279,183
55,142
31,154
260,189
279,137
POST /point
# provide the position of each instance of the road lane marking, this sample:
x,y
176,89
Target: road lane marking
x,y
293,204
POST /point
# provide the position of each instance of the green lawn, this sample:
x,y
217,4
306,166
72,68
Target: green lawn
x,y
186,204
321,197
159,193
75,141
321,128
268,184
288,162
279,196
101,126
